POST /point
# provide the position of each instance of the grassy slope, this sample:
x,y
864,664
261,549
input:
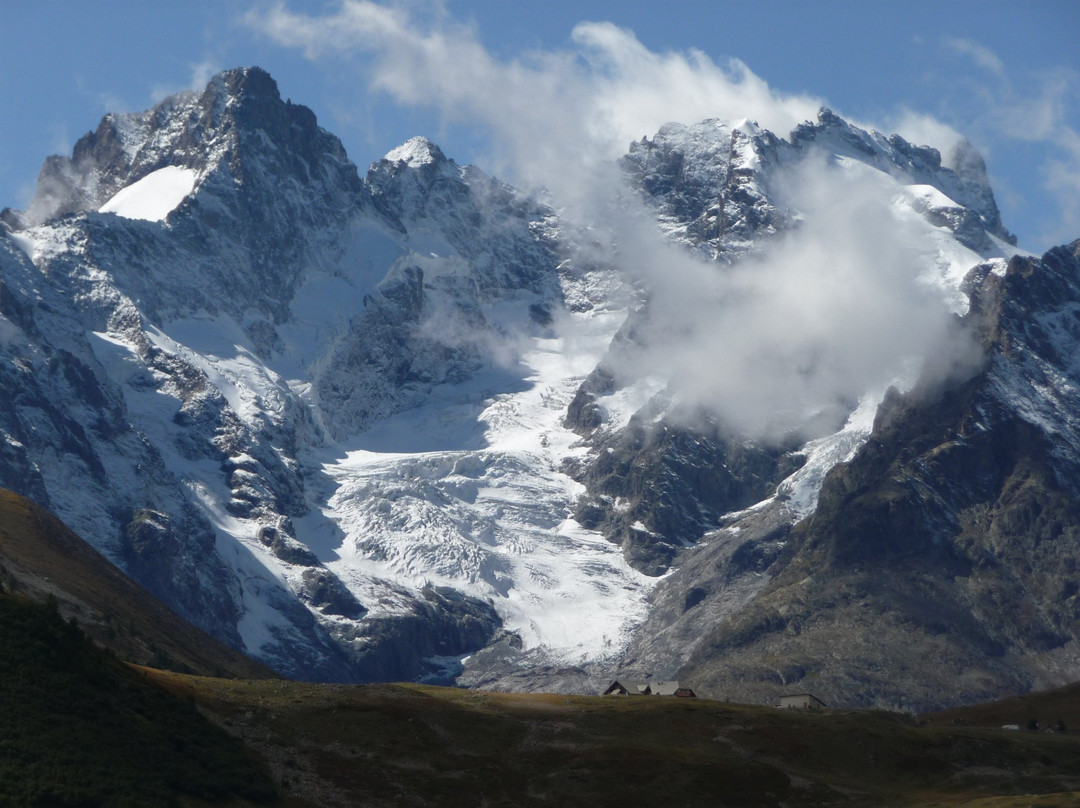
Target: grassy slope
x,y
1047,707
40,556
79,728
384,745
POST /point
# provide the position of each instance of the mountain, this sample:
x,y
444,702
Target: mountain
x,y
939,556
43,560
196,361
417,424
934,560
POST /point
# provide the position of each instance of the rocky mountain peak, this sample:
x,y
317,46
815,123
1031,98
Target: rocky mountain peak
x,y
962,179
238,119
713,183
349,425
709,183
232,169
406,178
245,83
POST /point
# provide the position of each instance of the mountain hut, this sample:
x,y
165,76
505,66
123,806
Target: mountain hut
x,y
801,701
672,689
628,688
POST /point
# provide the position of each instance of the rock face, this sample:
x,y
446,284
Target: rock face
x,y
941,556
155,362
391,426
710,184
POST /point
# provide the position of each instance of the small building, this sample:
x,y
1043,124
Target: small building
x,y
672,689
801,701
628,688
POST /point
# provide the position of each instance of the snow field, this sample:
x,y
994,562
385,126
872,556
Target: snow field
x,y
155,196
492,520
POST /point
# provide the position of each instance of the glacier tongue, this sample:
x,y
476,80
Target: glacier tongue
x,y
466,491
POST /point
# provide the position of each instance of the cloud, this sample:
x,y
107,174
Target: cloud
x,y
926,130
1041,108
107,102
980,55
786,341
1062,179
550,112
201,73
1006,108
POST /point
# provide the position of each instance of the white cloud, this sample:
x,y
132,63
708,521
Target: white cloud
x,y
980,55
107,102
201,73
550,112
926,130
786,341
1062,179
1013,106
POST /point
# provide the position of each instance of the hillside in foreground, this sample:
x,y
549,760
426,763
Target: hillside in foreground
x,y
82,729
41,558
384,745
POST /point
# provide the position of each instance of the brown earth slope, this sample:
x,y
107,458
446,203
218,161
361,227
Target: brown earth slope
x,y
42,558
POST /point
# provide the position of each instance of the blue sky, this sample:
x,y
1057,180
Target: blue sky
x,y
1005,75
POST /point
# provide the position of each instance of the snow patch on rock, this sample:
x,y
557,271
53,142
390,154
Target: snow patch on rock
x,y
155,196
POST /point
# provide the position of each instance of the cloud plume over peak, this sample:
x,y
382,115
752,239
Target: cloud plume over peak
x,y
1012,106
544,109
782,343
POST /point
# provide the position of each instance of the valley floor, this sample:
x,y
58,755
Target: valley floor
x,y
391,745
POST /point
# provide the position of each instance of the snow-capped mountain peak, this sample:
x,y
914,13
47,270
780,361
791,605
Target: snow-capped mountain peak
x,y
416,152
364,427
252,326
